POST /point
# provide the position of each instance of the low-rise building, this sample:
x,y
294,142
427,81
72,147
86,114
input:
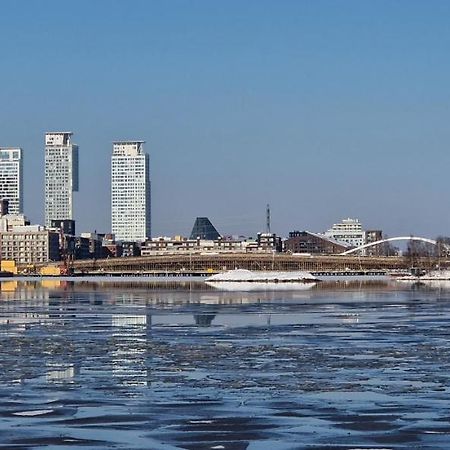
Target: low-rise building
x,y
9,221
81,248
130,249
29,244
110,248
374,236
66,226
178,245
313,243
264,243
166,245
94,243
269,242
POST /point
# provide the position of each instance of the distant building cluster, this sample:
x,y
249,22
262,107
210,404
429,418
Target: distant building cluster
x,y
31,244
25,243
341,237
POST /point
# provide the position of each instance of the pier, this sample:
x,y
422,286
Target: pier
x,y
202,265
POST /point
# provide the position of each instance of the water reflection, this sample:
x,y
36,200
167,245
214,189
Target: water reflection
x,y
128,349
259,287
170,291
103,365
36,285
57,374
204,320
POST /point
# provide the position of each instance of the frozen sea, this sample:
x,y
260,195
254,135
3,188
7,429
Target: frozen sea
x,y
146,364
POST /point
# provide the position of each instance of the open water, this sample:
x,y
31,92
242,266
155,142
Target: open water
x,y
183,365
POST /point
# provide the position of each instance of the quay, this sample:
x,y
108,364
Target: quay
x,y
203,265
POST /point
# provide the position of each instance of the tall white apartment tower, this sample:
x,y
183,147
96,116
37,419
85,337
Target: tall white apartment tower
x,y
130,192
61,176
11,178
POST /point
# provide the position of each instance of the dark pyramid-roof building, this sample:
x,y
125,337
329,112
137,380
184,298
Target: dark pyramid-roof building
x,y
204,229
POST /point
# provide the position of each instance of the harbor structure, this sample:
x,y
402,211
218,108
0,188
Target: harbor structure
x,y
61,176
11,178
130,192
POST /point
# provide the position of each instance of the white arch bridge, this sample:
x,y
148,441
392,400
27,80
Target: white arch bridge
x,y
394,239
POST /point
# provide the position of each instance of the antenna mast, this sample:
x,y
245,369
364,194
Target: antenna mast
x,y
268,218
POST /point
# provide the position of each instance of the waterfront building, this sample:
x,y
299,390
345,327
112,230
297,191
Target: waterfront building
x,y
95,244
349,231
204,229
130,249
111,249
313,243
269,242
29,244
66,226
130,192
179,245
9,221
11,178
61,176
374,236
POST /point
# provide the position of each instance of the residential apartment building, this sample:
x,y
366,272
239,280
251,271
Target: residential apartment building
x,y
29,245
349,231
313,243
10,221
11,178
130,192
371,237
61,176
180,245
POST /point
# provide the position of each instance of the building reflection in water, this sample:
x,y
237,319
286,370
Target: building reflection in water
x,y
204,320
57,374
129,349
64,312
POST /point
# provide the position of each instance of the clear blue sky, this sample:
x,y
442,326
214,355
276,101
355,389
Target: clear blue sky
x,y
324,109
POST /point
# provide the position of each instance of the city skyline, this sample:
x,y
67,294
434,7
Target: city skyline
x,y
324,111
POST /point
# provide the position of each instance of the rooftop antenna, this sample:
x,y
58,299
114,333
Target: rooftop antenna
x,y
268,219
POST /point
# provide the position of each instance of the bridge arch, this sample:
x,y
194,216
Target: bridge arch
x,y
393,239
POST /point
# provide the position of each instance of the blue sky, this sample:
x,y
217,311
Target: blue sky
x,y
324,109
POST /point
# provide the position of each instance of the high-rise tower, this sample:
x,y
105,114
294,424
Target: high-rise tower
x,y
130,192
11,178
61,176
